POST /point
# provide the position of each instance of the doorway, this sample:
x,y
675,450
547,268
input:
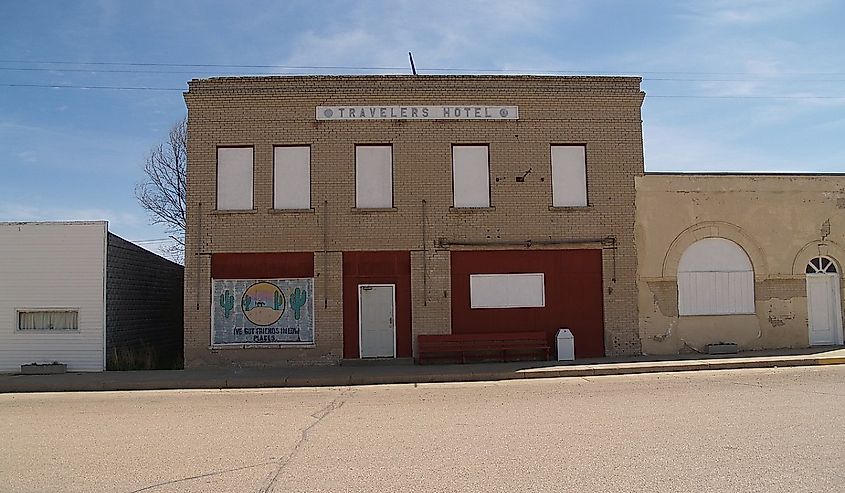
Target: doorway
x,y
824,304
376,320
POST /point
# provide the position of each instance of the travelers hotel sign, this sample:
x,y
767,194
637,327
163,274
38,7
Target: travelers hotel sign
x,y
263,312
451,112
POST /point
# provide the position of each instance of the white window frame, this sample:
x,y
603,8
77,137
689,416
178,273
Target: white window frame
x,y
305,188
713,287
460,200
20,311
479,281
237,206
565,191
367,203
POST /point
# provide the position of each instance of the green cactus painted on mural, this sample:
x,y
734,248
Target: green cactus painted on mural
x,y
278,300
227,302
297,300
247,303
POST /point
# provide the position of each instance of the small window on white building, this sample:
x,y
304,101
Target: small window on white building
x,y
507,290
292,177
48,320
373,176
471,175
569,176
234,178
715,277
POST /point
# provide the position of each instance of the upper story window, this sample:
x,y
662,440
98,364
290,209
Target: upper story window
x,y
715,277
234,178
292,177
471,175
374,176
569,176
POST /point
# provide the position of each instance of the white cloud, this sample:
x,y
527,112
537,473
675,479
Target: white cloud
x,y
744,12
440,34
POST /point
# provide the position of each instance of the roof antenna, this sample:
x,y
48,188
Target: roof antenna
x,y
413,69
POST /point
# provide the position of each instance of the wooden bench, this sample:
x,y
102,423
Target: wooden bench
x,y
461,345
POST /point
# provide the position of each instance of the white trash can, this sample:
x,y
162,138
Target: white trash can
x,y
565,345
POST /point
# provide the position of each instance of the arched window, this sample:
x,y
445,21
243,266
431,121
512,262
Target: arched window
x,y
821,265
715,277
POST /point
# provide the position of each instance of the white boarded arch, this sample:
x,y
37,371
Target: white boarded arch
x,y
715,277
507,290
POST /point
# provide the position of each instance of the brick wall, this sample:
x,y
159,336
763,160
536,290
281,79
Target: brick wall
x,y
601,112
143,307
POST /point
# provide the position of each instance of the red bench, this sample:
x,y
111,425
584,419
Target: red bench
x,y
478,345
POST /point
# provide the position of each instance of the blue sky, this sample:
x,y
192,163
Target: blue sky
x,y
734,85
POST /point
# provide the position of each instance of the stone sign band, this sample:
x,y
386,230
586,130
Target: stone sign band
x,y
262,312
449,112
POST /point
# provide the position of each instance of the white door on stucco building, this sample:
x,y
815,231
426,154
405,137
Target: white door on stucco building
x,y
376,320
824,304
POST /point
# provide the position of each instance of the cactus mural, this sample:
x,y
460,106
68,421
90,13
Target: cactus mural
x,y
263,316
227,302
297,300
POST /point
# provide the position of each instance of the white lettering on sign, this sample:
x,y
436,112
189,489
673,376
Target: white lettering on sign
x,y
451,112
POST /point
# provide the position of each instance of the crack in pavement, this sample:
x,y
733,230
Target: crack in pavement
x,y
200,476
319,416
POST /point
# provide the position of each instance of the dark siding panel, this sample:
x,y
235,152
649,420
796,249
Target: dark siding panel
x,y
144,316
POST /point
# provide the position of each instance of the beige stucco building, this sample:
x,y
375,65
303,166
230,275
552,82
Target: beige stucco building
x,y
732,258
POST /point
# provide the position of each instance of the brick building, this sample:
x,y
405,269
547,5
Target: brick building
x,y
334,218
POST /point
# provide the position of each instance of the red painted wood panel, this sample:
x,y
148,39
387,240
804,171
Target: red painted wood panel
x,y
376,268
573,295
262,265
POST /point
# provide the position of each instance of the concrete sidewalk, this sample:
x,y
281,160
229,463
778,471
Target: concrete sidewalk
x,y
368,374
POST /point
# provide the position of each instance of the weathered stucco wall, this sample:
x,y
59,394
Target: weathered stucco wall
x,y
780,221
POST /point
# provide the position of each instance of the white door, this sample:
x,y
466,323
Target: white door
x,y
824,307
377,330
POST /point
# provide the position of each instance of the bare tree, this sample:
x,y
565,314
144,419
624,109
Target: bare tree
x,y
162,193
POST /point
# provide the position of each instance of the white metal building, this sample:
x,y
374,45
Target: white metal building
x,y
52,294
57,280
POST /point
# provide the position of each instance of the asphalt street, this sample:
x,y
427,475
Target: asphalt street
x,y
761,430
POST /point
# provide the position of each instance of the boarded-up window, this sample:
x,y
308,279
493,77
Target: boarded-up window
x,y
471,176
48,320
569,176
715,277
373,177
507,290
292,177
234,178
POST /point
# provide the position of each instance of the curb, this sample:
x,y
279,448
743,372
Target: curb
x,y
42,383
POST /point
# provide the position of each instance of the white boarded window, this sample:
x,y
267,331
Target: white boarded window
x,y
471,176
569,176
292,177
507,290
234,178
48,320
715,277
373,177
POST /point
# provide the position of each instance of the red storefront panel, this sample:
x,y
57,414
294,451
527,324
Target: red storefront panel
x,y
376,268
262,265
573,295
